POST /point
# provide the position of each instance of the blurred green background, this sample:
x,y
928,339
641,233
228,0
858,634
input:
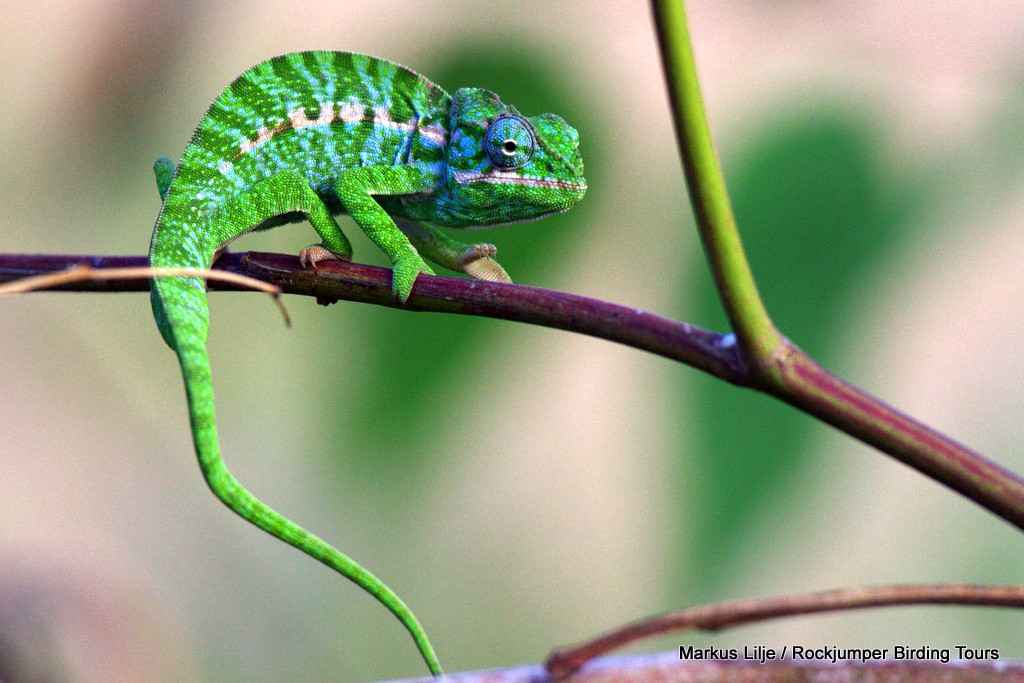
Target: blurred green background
x,y
521,488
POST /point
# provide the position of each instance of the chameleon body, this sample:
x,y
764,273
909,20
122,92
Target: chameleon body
x,y
309,135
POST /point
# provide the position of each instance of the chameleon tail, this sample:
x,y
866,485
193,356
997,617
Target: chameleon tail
x,y
183,323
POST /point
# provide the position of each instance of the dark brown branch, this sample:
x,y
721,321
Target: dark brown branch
x,y
818,392
717,616
668,668
334,280
807,386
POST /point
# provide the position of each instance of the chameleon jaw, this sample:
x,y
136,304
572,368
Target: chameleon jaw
x,y
512,178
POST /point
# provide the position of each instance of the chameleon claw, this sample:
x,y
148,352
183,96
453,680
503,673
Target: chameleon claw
x,y
477,251
315,253
476,261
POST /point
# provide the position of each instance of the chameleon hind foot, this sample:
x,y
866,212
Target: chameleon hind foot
x,y
404,272
315,253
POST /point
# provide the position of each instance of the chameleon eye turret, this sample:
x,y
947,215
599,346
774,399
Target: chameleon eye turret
x,y
509,142
508,167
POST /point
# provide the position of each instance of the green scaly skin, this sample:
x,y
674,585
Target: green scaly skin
x,y
312,134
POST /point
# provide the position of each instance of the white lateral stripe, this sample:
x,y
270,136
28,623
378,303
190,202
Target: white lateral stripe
x,y
348,112
436,134
262,135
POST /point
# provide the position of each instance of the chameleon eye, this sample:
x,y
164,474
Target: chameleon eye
x,y
509,142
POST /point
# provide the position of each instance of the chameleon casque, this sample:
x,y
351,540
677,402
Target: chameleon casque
x,y
312,134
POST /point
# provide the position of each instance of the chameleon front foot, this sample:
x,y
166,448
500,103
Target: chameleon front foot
x,y
406,269
473,252
315,253
476,260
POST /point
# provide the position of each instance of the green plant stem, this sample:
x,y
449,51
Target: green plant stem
x,y
748,318
777,366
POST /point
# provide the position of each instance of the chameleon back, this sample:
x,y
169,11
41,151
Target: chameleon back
x,y
306,111
272,118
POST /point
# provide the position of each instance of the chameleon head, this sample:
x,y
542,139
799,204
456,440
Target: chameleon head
x,y
504,167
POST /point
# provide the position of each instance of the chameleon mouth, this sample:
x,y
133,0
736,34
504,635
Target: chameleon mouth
x,y
512,178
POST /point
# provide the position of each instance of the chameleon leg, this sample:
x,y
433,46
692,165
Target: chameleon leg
x,y
282,193
163,167
265,201
473,259
354,189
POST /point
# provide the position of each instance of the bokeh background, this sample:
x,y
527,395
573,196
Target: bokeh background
x,y
520,487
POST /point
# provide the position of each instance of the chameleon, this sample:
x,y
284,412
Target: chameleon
x,y
311,135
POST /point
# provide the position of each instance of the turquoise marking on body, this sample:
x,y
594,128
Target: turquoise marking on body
x,y
314,134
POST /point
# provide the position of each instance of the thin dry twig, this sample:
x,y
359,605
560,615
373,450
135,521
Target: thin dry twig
x,y
717,616
83,272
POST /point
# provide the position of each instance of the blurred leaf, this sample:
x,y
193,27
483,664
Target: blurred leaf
x,y
817,208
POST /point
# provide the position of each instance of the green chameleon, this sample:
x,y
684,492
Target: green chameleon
x,y
314,134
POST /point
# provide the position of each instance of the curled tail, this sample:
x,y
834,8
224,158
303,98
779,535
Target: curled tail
x,y
182,314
